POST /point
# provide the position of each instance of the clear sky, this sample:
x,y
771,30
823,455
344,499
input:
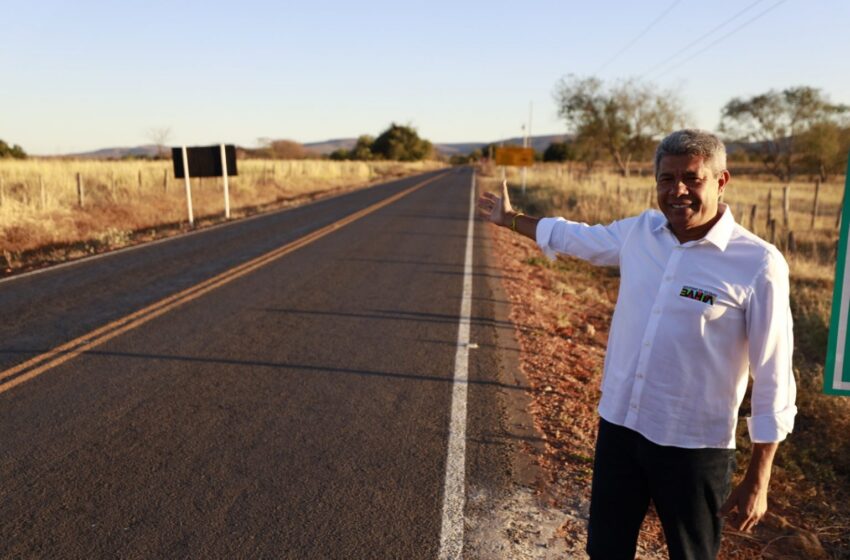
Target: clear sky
x,y
82,75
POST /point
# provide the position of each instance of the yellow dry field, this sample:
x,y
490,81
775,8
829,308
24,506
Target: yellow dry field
x,y
40,205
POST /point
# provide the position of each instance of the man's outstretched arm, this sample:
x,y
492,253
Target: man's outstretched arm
x,y
771,342
498,209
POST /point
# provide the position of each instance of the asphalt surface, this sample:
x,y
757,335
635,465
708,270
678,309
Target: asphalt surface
x,y
299,411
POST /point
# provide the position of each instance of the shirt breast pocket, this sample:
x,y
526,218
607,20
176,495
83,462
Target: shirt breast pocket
x,y
721,315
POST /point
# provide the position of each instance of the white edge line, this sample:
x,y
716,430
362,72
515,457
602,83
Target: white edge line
x,y
231,222
454,493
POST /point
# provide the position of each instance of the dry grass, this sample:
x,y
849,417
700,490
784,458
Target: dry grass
x,y
39,206
810,489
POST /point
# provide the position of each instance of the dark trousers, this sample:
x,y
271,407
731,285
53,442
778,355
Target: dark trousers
x,y
687,486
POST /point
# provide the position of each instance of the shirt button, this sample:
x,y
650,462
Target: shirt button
x,y
657,310
647,344
639,375
634,406
668,278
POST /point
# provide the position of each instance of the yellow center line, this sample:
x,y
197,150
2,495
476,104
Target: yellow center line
x,y
39,364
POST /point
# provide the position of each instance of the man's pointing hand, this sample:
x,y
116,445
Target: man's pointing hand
x,y
495,208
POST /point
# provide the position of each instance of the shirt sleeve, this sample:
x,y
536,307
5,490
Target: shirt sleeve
x,y
770,338
599,244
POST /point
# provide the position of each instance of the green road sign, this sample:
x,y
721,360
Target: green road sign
x,y
836,374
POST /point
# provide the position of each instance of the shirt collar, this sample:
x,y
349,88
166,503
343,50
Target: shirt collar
x,y
719,235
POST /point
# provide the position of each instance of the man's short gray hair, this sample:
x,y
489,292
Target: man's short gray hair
x,y
693,142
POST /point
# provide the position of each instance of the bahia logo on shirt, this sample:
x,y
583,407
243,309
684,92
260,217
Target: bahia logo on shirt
x,y
698,294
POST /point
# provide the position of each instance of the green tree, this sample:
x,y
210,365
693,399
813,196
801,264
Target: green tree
x,y
401,143
15,151
363,148
340,154
823,149
465,159
774,123
558,151
489,151
623,120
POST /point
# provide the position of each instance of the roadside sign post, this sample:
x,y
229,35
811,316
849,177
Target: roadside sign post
x,y
514,156
185,160
205,161
226,188
836,373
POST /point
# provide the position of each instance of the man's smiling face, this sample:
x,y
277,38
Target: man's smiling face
x,y
688,194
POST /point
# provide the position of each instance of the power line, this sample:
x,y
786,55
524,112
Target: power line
x,y
746,23
680,52
641,34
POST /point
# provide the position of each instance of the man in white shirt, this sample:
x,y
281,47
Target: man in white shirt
x,y
703,303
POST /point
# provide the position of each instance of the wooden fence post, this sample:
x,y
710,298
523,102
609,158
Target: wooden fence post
x,y
165,181
753,216
772,231
815,204
81,195
43,194
769,206
792,243
140,182
786,203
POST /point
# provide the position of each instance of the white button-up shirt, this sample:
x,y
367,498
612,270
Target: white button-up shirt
x,y
692,319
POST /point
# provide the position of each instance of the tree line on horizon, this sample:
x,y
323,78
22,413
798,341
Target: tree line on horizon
x,y
396,143
14,151
797,130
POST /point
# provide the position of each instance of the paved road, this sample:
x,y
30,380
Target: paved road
x,y
297,411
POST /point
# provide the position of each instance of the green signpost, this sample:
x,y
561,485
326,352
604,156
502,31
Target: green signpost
x,y
836,374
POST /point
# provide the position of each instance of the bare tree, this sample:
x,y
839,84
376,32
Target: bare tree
x,y
160,137
775,123
624,119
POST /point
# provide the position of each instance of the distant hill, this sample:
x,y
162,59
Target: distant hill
x,y
327,146
118,153
539,143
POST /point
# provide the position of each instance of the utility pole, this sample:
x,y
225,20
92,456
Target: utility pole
x,y
525,142
524,145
